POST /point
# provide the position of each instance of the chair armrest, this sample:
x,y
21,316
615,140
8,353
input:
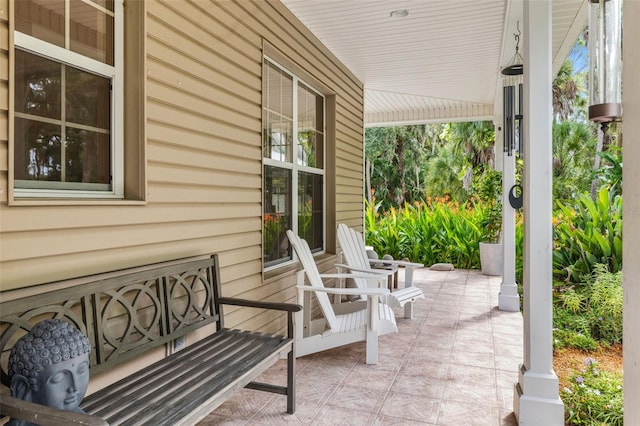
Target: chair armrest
x,y
368,276
347,291
382,272
396,262
288,307
43,415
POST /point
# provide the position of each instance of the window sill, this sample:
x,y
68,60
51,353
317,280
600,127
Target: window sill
x,y
74,202
279,273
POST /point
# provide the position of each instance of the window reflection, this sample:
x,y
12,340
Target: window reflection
x,y
277,215
39,156
310,208
91,32
43,19
37,85
86,156
87,98
310,128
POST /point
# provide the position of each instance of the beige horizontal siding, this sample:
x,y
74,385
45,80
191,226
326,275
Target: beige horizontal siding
x,y
203,157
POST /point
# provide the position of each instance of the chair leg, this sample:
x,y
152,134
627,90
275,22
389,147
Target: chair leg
x,y
408,282
372,347
291,382
372,331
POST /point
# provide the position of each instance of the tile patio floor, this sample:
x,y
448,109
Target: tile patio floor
x,y
454,363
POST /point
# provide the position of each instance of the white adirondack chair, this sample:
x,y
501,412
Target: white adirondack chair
x,y
343,323
355,255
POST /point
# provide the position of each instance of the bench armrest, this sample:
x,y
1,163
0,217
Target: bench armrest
x,y
288,307
43,415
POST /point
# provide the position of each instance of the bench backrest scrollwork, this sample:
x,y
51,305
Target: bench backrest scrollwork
x,y
123,313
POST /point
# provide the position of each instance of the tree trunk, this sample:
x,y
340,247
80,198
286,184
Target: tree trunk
x,y
596,163
367,173
400,197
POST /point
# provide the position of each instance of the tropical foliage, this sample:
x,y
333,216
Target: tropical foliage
x,y
588,233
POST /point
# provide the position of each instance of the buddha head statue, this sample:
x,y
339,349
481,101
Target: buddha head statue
x,y
50,365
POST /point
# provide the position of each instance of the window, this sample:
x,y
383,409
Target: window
x,y
67,111
294,163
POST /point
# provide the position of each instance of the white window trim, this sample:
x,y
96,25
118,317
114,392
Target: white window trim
x,y
116,74
295,167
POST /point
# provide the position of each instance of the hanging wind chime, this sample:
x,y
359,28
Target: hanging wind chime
x,y
512,93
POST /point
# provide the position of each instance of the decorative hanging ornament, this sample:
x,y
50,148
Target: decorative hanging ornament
x,y
605,61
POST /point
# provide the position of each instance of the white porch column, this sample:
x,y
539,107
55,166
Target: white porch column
x,y
508,299
536,399
631,213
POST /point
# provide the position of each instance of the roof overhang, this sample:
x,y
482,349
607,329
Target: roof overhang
x,y
441,63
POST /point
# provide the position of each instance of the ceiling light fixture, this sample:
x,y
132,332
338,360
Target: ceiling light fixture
x,y
400,13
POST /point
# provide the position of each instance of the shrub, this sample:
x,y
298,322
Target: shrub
x,y
488,189
438,230
595,308
593,397
563,338
587,235
605,297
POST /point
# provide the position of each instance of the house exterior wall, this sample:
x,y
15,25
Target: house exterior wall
x,y
203,157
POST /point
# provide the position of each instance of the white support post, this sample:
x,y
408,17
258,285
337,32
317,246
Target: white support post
x,y
631,212
508,299
536,398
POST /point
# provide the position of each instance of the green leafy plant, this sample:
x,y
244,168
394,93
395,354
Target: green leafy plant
x,y
488,190
593,397
587,234
438,230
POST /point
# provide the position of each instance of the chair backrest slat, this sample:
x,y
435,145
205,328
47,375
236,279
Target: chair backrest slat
x,y
305,256
352,243
354,250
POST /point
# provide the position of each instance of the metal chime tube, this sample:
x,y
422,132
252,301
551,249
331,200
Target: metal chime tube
x,y
520,120
509,119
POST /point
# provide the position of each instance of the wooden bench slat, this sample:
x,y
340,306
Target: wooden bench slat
x,y
209,392
193,374
157,371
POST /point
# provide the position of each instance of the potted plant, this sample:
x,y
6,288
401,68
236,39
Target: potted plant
x,y
489,190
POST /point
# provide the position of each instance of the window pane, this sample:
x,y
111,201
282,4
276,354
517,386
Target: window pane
x,y
88,98
310,128
277,215
107,4
310,209
278,136
37,151
37,90
87,157
278,114
43,19
91,32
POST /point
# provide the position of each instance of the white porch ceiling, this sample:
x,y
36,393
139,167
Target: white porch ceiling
x,y
441,63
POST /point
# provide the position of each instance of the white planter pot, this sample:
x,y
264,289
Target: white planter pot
x,y
491,258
